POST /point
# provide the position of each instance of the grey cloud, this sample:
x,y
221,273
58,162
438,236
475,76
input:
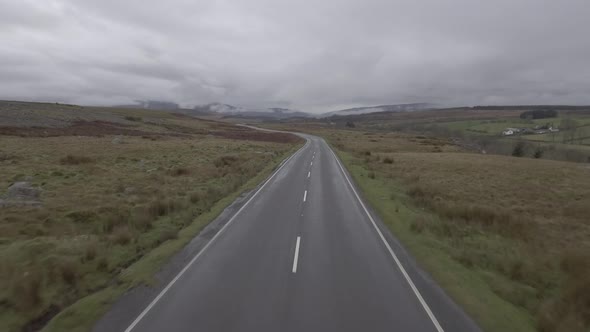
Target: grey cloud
x,y
307,55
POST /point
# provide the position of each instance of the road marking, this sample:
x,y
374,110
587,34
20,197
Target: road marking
x,y
305,196
311,164
296,258
171,283
308,174
312,157
393,255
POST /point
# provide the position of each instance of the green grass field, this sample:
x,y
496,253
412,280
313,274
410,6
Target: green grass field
x,y
497,126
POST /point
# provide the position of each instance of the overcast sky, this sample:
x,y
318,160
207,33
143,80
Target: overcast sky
x,y
307,55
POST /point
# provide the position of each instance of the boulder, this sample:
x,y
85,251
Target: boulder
x,y
22,191
117,140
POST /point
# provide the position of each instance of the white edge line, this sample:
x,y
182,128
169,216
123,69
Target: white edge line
x,y
305,196
296,257
397,261
171,283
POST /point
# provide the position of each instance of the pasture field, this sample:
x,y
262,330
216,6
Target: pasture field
x,y
480,129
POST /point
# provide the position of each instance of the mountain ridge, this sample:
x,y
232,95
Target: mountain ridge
x,y
380,108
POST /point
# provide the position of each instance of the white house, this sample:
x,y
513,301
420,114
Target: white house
x,y
508,132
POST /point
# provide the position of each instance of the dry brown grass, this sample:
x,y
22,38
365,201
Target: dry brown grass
x,y
91,251
26,290
142,220
75,160
122,236
105,205
223,161
163,206
570,309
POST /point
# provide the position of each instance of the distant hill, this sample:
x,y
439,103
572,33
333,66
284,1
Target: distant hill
x,y
532,107
215,108
242,112
381,108
152,105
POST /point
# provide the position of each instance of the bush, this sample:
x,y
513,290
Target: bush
x,y
68,270
27,290
178,171
162,207
518,150
75,160
122,236
113,217
81,216
388,160
195,197
223,161
102,264
371,175
142,220
90,252
133,118
538,114
538,153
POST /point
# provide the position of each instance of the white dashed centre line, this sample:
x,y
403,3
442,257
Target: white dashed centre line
x,y
308,174
305,196
296,258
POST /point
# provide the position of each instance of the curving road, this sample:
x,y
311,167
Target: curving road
x,y
302,254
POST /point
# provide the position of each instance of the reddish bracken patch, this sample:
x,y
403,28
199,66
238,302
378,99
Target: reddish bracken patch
x,y
81,128
253,135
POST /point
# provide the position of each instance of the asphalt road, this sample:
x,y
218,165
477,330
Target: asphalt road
x,y
302,254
